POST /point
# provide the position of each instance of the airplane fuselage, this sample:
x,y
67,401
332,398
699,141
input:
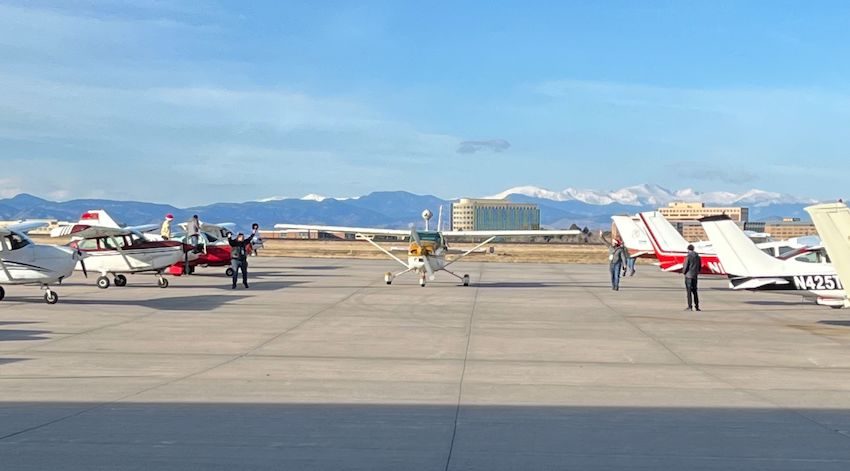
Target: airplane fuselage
x,y
36,264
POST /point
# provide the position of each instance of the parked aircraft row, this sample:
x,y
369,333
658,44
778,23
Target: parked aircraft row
x,y
100,245
798,266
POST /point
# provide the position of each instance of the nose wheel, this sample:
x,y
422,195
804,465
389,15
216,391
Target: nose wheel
x,y
162,282
229,272
50,297
465,280
102,282
422,280
388,278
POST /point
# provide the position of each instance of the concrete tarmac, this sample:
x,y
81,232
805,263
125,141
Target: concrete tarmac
x,y
321,366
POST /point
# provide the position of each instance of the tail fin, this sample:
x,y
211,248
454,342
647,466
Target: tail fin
x,y
98,217
633,234
737,253
664,236
833,224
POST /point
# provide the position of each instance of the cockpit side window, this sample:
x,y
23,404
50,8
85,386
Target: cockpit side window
x,y
17,242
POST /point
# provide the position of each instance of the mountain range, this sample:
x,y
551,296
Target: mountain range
x,y
590,208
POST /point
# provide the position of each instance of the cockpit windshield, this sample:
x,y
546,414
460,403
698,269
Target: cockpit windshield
x,y
428,236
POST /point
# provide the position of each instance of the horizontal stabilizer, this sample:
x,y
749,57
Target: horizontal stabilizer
x,y
754,283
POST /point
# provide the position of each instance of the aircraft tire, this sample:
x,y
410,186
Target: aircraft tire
x,y
2,293
120,280
102,282
51,297
163,283
228,272
465,280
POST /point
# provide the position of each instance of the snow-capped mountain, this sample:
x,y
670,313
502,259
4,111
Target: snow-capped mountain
x,y
654,195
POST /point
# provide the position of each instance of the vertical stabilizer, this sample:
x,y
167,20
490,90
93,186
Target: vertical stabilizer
x,y
833,224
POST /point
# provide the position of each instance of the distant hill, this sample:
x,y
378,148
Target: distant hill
x,y
400,208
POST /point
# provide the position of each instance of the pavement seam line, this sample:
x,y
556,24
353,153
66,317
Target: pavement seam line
x,y
463,370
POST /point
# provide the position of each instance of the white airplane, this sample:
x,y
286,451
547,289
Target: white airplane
x,y
832,221
427,250
750,268
23,262
116,251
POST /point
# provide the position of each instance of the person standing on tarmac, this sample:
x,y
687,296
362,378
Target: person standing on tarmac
x,y
193,231
239,256
165,231
691,270
257,242
617,260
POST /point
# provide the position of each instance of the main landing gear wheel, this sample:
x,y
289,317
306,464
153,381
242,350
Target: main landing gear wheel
x,y
162,282
465,280
2,293
120,280
228,272
50,297
422,281
102,282
388,277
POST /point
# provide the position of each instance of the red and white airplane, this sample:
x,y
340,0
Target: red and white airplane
x,y
215,248
114,251
671,248
23,262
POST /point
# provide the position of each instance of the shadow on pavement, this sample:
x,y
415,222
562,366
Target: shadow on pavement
x,y
835,323
13,335
170,436
173,303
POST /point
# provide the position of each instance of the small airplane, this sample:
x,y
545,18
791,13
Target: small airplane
x,y
427,250
215,248
115,251
671,248
23,262
750,268
633,233
832,221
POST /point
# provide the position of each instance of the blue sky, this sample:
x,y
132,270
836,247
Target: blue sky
x,y
196,102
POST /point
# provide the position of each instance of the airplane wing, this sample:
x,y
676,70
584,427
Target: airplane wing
x,y
351,230
84,231
22,227
143,228
538,233
213,228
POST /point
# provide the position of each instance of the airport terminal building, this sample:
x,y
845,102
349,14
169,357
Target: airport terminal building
x,y
685,217
492,215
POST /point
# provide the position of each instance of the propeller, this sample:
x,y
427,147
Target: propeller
x,y
81,257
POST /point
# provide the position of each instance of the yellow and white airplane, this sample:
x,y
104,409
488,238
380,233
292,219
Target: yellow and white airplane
x,y
832,220
427,250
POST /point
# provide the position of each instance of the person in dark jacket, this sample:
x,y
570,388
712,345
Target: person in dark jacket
x,y
617,260
691,270
239,256
193,232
